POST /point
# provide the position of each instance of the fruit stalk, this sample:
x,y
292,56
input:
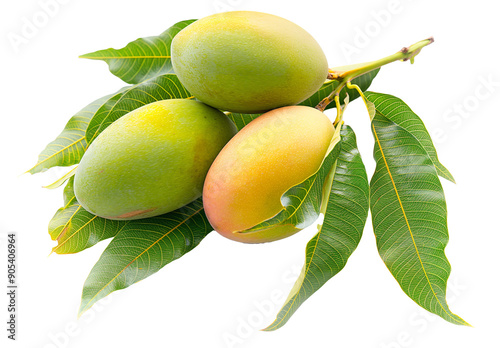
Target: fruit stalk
x,y
346,74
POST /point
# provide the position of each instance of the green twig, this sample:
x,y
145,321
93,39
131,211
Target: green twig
x,y
346,74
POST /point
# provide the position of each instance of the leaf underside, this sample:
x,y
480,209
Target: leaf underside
x,y
346,211
409,214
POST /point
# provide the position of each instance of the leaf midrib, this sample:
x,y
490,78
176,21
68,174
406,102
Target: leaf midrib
x,y
407,222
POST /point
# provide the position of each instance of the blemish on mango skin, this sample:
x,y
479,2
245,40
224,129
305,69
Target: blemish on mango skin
x,y
132,214
63,232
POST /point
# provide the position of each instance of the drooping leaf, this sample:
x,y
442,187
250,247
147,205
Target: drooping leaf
x,y
68,148
142,248
409,215
345,206
158,88
143,58
363,81
395,110
302,203
75,229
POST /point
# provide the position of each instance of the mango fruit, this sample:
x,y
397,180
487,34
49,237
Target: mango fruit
x,y
271,154
248,62
152,160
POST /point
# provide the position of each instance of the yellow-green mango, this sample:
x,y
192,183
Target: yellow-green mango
x,y
271,154
248,62
152,160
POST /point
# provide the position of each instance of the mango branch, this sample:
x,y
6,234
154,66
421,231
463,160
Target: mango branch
x,y
346,74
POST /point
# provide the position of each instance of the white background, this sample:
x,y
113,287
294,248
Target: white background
x,y
208,296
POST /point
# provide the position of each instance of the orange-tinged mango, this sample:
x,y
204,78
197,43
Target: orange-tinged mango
x,y
273,153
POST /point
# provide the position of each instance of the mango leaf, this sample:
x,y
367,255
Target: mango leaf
x,y
75,229
143,58
59,182
302,203
68,148
409,214
345,205
142,248
102,113
363,81
241,120
158,88
395,110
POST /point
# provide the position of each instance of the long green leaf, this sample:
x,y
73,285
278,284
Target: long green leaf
x,y
143,58
75,229
395,110
68,148
345,206
363,81
158,88
409,215
142,248
302,203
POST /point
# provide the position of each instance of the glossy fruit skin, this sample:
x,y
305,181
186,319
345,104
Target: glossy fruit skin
x,y
271,154
152,160
248,62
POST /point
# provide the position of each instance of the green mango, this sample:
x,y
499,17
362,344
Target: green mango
x,y
152,160
248,62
